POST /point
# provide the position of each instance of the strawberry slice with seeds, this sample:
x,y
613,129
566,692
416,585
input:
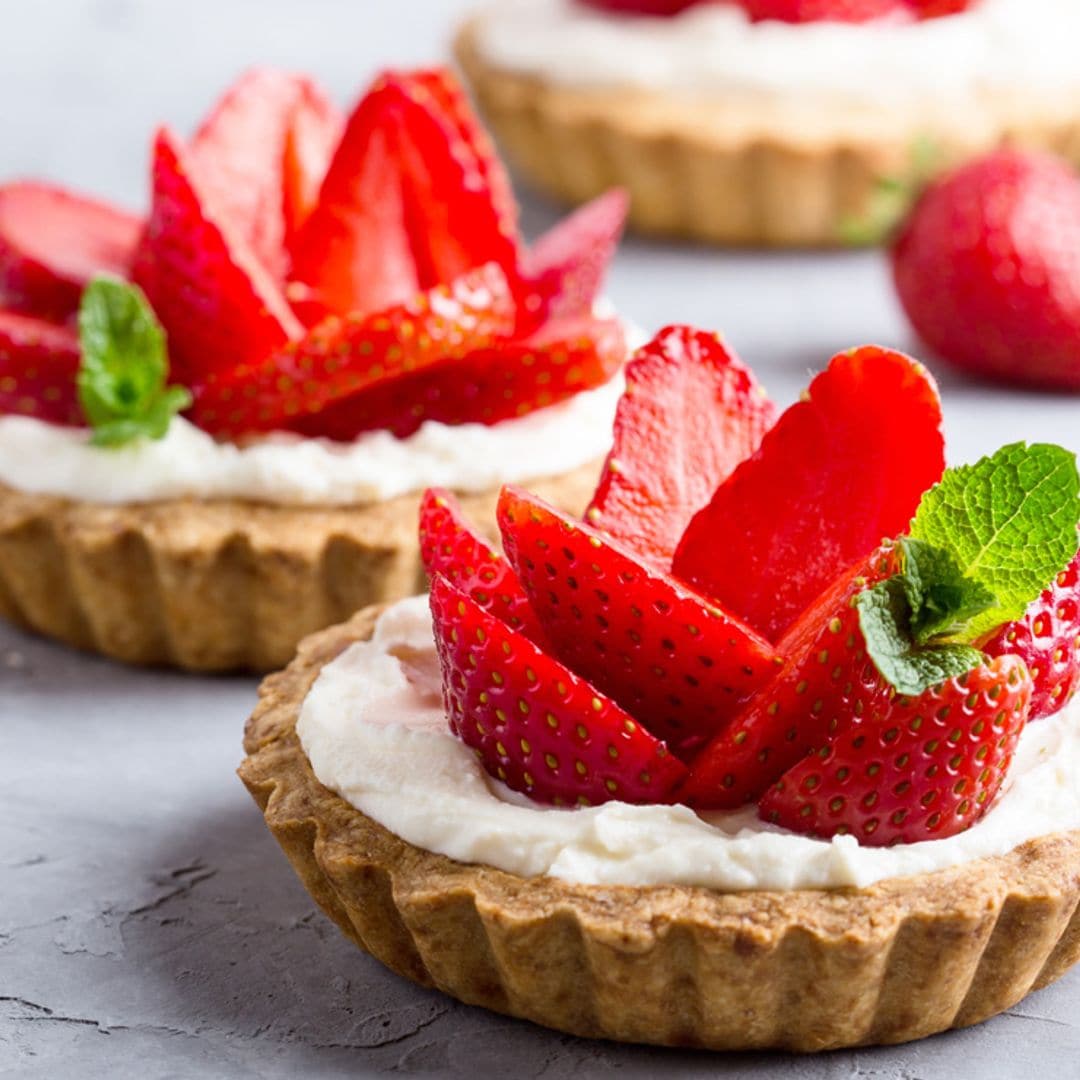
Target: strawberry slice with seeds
x,y
243,148
451,547
688,398
218,304
39,362
914,769
533,723
1047,638
505,380
565,270
677,663
827,676
342,357
53,242
840,470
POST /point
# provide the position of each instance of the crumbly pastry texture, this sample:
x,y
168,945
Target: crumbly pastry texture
x,y
802,970
736,171
214,585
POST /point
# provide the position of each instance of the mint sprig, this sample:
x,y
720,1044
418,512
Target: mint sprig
x,y
124,369
984,544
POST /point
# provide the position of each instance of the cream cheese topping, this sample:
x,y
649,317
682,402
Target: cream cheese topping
x,y
996,46
41,458
375,732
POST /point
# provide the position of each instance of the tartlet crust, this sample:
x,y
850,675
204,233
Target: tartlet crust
x,y
739,171
215,585
802,970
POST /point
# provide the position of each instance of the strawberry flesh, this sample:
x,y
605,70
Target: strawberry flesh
x,y
451,548
489,385
911,769
534,724
342,357
53,242
805,11
679,665
827,676
688,399
312,136
840,470
39,362
1047,638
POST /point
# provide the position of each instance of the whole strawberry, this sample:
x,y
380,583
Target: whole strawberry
x,y
988,269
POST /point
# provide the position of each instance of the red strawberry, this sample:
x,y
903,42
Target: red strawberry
x,y
342,357
310,141
406,204
988,268
53,242
804,11
678,664
533,723
38,365
840,470
218,304
450,547
242,150
1047,638
688,399
915,769
643,7
933,9
564,272
826,677
499,382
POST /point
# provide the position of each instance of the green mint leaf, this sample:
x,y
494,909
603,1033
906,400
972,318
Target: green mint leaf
x,y
942,600
124,368
885,620
1009,522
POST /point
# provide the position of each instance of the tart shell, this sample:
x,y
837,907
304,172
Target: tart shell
x,y
803,970
735,172
215,585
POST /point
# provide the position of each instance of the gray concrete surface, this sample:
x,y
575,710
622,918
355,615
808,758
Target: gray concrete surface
x,y
149,927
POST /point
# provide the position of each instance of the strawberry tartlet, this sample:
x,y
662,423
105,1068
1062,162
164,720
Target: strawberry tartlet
x,y
772,749
216,421
767,122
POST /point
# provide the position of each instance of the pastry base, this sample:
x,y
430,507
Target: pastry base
x,y
738,172
215,586
801,970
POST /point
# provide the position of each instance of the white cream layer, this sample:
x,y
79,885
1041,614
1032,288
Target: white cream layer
x,y
42,458
999,45
374,730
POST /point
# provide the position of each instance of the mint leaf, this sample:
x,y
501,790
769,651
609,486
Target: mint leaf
x,y
1010,521
125,367
885,619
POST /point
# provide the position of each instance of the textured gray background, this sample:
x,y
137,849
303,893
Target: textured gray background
x,y
149,927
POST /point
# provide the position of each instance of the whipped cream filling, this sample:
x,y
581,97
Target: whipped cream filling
x,y
998,45
375,732
41,458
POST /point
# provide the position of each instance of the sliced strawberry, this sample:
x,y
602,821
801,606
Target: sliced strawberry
x,y
38,365
53,242
407,202
678,664
688,399
1047,638
840,470
342,357
505,380
450,547
827,676
915,769
533,723
313,135
565,270
218,304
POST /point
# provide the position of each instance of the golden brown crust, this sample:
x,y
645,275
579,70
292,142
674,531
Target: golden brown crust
x,y
802,970
734,171
214,585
